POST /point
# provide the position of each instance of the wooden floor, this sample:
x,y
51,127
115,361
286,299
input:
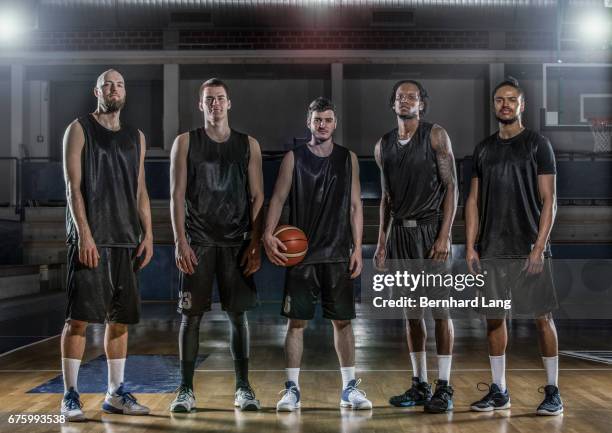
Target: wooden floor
x,y
382,363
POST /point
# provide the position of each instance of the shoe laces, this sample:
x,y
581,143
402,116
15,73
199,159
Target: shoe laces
x,y
127,398
293,390
72,401
548,397
247,392
183,392
353,388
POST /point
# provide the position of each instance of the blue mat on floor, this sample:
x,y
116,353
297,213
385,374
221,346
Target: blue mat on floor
x,y
148,374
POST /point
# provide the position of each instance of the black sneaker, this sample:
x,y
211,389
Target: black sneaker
x,y
442,399
417,395
552,404
494,400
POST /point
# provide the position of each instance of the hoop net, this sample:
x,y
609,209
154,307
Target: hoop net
x,y
601,127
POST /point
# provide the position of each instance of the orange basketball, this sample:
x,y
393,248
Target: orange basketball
x,y
296,242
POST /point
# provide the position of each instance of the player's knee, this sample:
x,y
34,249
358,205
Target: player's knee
x,y
341,324
495,324
415,325
117,328
76,327
297,325
544,322
190,321
238,319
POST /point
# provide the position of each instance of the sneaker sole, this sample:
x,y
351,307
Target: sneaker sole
x,y
409,404
349,405
75,418
287,408
490,408
431,410
181,409
250,407
112,409
547,413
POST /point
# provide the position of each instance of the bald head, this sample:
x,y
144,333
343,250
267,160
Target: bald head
x,y
110,74
110,91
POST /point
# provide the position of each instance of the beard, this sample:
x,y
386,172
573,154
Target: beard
x,y
110,106
509,121
407,116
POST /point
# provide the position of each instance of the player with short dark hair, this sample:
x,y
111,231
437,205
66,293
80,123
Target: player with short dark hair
x,y
510,211
110,238
216,203
417,209
321,179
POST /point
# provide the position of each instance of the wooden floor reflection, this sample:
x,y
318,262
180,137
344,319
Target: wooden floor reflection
x,y
382,363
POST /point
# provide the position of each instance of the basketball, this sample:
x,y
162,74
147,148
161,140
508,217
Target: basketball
x,y
296,242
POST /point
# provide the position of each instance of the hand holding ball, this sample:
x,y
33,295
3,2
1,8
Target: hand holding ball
x,y
295,242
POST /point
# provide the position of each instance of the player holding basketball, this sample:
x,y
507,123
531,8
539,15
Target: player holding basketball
x,y
417,209
216,202
108,221
511,207
321,179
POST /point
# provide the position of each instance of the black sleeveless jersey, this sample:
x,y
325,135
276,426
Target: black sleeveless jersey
x,y
217,199
411,175
110,164
509,199
320,203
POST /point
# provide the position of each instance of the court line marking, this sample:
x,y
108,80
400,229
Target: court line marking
x,y
28,345
24,336
460,370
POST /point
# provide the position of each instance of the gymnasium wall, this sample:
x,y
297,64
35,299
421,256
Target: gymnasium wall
x,y
269,102
273,111
459,105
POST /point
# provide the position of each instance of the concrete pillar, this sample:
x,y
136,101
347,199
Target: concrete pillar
x,y
337,96
497,74
171,104
17,99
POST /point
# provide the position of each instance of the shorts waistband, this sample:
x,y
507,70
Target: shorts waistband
x,y
404,222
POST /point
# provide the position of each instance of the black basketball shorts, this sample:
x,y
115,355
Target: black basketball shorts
x,y
107,293
304,284
236,291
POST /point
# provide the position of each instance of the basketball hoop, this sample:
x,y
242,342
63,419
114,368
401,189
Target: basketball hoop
x,y
601,128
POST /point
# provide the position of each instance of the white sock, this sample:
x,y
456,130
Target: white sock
x,y
70,372
116,367
498,371
551,365
444,367
293,375
419,365
348,374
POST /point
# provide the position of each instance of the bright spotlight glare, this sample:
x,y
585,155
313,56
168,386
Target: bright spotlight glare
x,y
594,27
10,26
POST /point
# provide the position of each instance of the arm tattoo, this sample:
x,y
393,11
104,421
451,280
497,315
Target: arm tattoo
x,y
446,162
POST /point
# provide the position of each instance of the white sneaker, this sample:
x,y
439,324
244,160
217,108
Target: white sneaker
x,y
184,400
354,397
290,400
122,402
71,407
245,399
